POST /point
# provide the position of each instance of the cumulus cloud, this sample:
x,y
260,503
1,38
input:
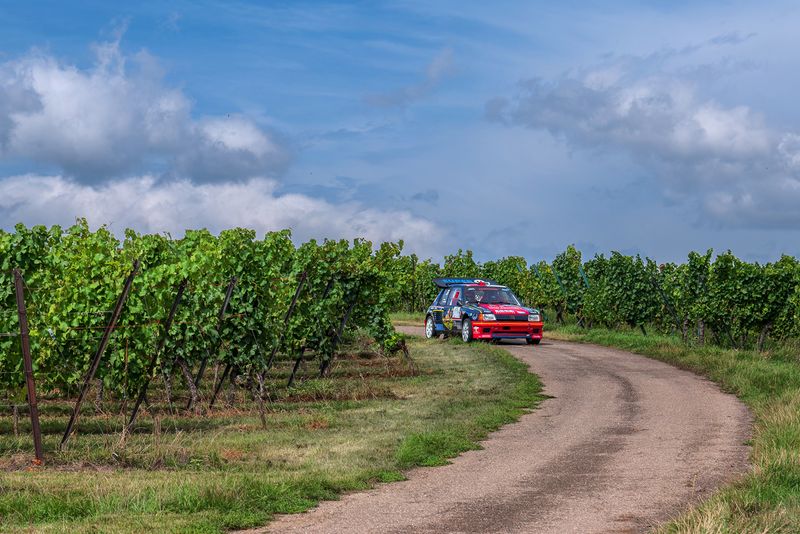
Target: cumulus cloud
x,y
660,115
437,70
130,153
119,117
150,205
738,168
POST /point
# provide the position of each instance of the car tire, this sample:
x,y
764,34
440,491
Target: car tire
x,y
430,330
466,330
530,341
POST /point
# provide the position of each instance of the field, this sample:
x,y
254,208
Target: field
x,y
370,420
152,308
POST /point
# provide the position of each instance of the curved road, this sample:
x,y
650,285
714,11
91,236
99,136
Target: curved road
x,y
624,444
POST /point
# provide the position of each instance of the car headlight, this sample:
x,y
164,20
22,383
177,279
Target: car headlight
x,y
488,316
534,318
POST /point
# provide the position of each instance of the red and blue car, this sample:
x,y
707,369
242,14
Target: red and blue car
x,y
481,309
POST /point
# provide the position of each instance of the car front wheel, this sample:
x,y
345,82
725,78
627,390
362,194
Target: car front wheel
x,y
466,330
429,327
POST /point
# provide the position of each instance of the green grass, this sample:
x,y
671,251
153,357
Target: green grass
x,y
768,499
408,318
369,422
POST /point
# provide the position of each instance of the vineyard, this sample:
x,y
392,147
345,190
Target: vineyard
x,y
262,370
81,310
116,315
722,300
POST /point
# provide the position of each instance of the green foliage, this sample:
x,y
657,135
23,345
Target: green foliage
x,y
567,271
77,276
460,265
25,249
512,270
624,289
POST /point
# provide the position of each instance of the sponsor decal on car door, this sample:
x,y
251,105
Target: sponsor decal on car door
x,y
456,308
446,318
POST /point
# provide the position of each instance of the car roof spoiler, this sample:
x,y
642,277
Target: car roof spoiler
x,y
447,282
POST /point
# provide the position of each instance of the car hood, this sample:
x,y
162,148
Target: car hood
x,y
505,309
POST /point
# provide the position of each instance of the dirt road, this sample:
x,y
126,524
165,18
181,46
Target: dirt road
x,y
623,444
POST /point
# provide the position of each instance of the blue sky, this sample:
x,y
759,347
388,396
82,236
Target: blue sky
x,y
511,128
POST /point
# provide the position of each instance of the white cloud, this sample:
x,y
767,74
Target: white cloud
x,y
150,205
130,153
237,134
739,169
117,118
789,148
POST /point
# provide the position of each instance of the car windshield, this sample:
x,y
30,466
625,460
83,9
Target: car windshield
x,y
490,295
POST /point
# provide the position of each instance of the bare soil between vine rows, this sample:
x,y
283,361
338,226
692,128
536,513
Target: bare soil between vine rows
x,y
623,444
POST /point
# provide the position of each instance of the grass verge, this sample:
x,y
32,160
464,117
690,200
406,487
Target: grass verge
x,y
367,423
408,318
768,499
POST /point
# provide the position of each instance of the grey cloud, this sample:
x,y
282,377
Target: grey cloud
x,y
429,196
118,117
770,204
229,148
15,97
728,159
437,70
731,38
659,115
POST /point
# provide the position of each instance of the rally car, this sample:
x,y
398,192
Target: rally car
x,y
481,309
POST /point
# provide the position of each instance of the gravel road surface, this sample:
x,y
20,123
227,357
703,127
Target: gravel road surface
x,y
625,443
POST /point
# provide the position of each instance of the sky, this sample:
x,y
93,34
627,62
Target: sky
x,y
507,128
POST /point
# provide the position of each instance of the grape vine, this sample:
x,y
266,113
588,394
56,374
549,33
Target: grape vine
x,y
75,276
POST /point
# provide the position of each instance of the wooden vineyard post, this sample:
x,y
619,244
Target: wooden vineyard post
x,y
413,306
560,309
296,366
220,318
218,386
286,318
323,366
171,317
28,363
303,349
100,350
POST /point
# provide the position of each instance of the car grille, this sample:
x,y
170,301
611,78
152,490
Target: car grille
x,y
511,317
